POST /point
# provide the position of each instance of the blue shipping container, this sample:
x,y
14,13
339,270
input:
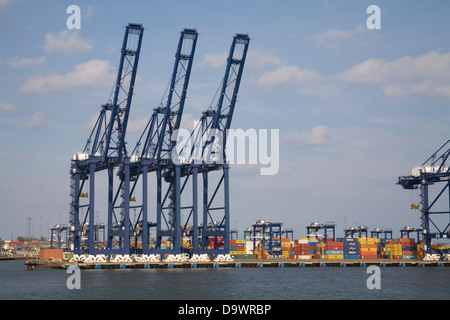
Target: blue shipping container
x,y
351,256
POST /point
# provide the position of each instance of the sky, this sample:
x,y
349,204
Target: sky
x,y
355,107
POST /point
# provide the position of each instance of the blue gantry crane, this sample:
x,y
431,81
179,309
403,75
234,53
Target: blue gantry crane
x,y
153,153
206,155
106,145
433,171
156,152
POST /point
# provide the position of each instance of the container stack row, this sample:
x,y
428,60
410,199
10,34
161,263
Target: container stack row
x,y
317,248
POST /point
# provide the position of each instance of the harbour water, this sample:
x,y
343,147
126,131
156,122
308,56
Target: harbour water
x,y
414,283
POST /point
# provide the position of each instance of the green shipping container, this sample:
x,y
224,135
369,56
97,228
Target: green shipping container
x,y
244,256
406,257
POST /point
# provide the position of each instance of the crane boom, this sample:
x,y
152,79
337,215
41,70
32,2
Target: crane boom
x,y
109,131
218,120
166,118
105,147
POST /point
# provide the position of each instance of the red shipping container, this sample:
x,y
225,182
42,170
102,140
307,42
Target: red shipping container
x,y
368,245
333,247
334,243
369,256
406,240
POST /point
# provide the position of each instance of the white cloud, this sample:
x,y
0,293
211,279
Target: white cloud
x,y
287,75
17,62
7,107
260,58
334,39
214,59
67,41
257,58
424,76
319,135
136,126
37,120
91,73
4,7
188,121
89,12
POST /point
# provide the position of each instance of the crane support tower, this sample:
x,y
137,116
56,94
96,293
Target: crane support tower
x,y
312,229
265,233
375,233
435,170
205,156
106,145
152,154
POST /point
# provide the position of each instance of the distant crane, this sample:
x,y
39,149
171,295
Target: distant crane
x,y
405,232
312,229
266,232
434,170
375,232
350,232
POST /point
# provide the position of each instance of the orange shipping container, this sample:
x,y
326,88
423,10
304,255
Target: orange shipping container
x,y
368,256
406,240
328,247
51,254
368,245
335,243
410,253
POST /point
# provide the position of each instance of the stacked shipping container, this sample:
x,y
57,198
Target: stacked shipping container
x,y
333,250
409,248
317,248
352,248
368,248
241,249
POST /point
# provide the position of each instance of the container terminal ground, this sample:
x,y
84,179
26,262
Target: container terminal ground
x,y
247,263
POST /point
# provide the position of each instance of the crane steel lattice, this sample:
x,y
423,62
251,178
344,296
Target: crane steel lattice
x,y
207,155
375,232
405,232
350,232
106,150
106,145
153,153
313,228
433,170
265,232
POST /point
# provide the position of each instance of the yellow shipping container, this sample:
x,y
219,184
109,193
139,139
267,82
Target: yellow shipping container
x,y
393,245
395,252
368,249
368,240
333,256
